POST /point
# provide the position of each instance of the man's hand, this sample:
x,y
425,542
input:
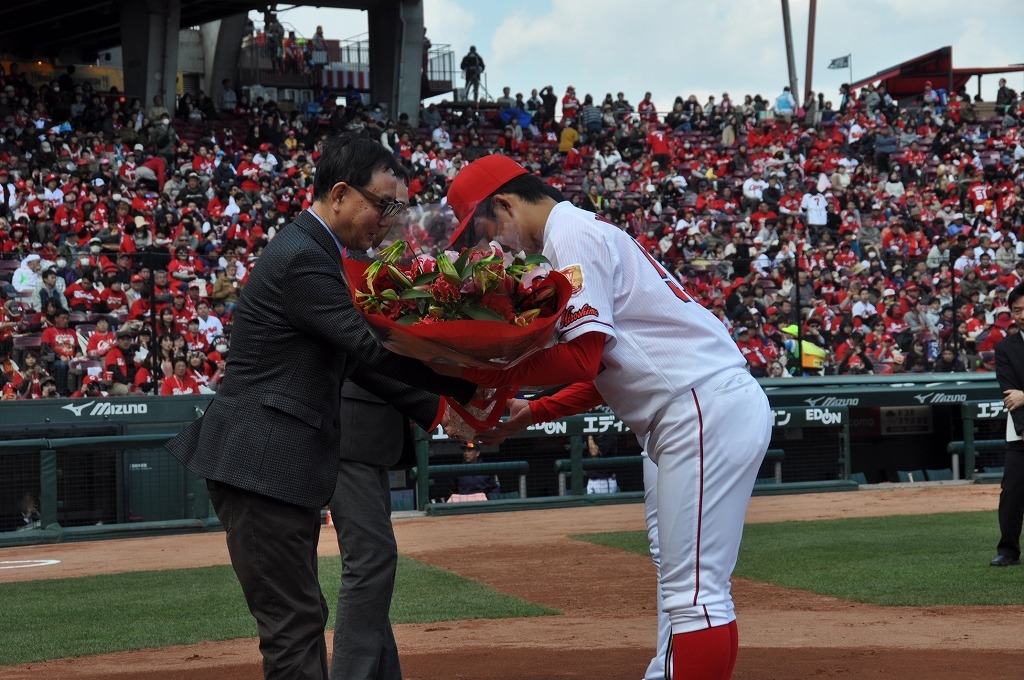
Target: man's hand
x,y
1013,399
454,426
519,417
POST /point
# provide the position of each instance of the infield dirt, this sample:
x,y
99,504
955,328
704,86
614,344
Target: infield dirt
x,y
607,596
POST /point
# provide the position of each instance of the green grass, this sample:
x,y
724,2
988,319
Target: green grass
x,y
916,560
97,614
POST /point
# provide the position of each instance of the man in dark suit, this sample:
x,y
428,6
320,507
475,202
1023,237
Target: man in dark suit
x,y
268,443
1010,374
364,643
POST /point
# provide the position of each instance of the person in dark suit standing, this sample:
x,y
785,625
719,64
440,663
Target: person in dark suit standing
x,y
268,443
364,642
1010,374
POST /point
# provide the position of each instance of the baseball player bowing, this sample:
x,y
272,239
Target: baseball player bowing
x,y
632,338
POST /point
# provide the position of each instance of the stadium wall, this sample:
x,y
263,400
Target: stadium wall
x,y
96,468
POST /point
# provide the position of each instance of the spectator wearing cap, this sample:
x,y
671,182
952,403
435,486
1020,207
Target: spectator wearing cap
x,y
120,363
58,347
90,387
136,288
227,287
747,305
67,217
265,159
196,292
753,349
815,333
185,266
470,484
987,340
888,352
192,192
181,307
912,297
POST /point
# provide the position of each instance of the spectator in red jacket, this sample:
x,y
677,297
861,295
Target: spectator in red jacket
x,y
61,343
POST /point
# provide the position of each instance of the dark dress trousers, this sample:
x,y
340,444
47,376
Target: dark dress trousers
x,y
268,442
364,642
1010,375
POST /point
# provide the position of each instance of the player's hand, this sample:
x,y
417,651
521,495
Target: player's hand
x,y
519,417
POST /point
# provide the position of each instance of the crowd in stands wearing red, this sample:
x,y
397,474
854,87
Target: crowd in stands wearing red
x,y
869,237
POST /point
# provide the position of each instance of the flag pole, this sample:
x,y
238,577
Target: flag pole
x,y
849,62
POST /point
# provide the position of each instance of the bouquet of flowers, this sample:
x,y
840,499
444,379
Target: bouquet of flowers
x,y
477,308
481,308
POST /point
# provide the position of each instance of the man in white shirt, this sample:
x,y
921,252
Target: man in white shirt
x,y
752,188
442,139
210,326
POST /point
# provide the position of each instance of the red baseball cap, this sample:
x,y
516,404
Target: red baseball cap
x,y
136,277
477,181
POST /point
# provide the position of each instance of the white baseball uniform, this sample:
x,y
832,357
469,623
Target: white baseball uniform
x,y
673,374
656,669
675,377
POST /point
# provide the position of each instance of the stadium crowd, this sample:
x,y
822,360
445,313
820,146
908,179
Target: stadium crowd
x,y
853,238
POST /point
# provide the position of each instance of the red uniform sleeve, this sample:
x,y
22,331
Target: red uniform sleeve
x,y
575,398
570,362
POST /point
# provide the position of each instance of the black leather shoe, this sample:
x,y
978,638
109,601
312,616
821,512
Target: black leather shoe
x,y
1004,561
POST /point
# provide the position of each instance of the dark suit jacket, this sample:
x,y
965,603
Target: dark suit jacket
x,y
1010,375
378,434
274,427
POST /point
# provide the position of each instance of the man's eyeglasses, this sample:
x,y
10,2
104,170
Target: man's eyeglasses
x,y
387,208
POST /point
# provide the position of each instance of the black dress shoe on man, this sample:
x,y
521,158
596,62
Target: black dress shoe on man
x,y
1004,561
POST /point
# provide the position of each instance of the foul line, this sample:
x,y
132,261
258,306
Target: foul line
x,y
26,564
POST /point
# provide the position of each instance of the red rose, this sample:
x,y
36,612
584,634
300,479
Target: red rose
x,y
501,304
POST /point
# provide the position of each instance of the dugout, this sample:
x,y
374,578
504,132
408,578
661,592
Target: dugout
x,y
898,423
97,466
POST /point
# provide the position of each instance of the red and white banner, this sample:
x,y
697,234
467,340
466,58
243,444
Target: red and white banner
x,y
338,79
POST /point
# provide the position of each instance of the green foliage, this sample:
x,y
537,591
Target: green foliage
x,y
98,614
916,560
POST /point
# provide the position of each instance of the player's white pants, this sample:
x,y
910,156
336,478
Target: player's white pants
x,y
656,669
708,444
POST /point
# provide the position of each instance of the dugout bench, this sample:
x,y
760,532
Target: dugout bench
x,y
423,482
565,465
